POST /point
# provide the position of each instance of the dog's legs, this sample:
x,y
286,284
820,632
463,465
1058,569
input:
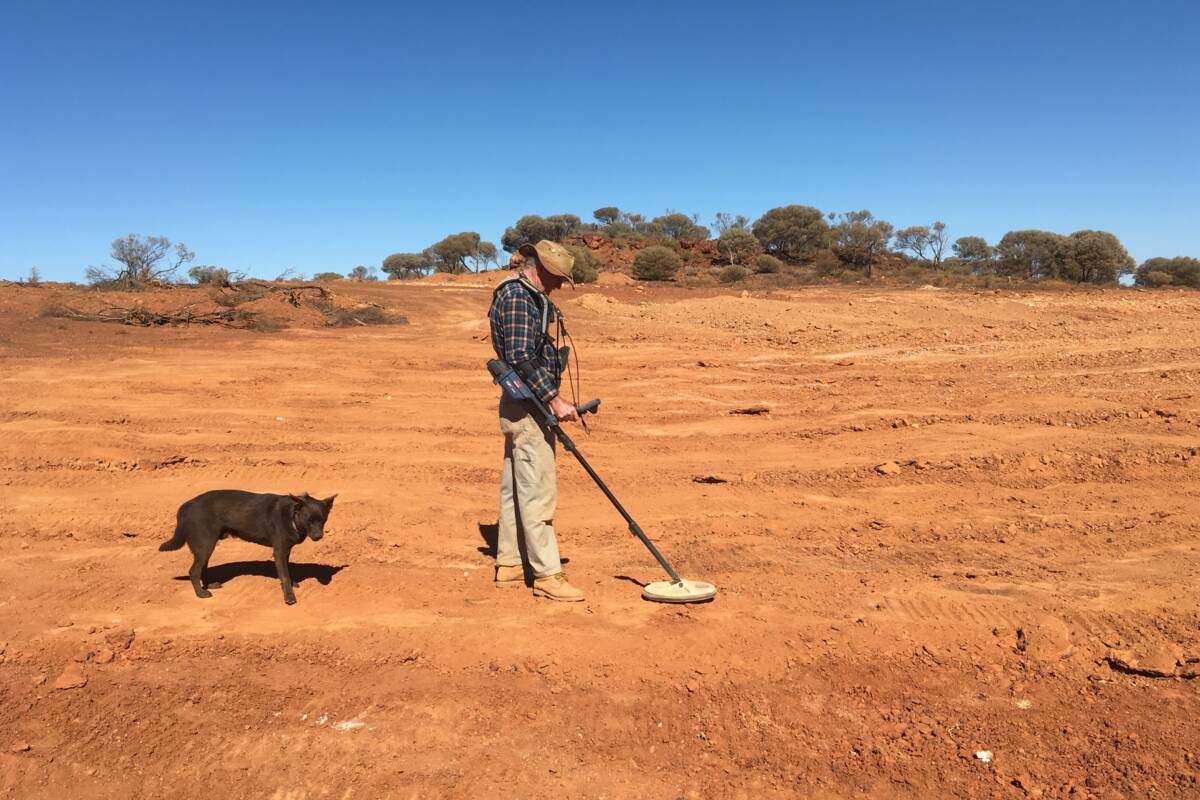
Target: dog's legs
x,y
282,553
201,552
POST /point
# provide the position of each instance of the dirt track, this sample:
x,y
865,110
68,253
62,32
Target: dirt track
x,y
872,633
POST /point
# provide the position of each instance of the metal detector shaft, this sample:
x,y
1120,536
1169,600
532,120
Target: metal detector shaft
x,y
634,528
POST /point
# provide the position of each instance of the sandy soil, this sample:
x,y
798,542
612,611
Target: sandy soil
x,y
966,522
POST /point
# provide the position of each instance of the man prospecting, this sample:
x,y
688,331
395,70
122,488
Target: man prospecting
x,y
521,317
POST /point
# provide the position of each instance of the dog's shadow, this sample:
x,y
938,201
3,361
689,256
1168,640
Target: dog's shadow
x,y
224,573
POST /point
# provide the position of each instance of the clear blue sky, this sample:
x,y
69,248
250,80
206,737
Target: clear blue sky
x,y
324,135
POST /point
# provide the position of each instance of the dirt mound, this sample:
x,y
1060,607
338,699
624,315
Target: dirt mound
x,y
614,279
487,278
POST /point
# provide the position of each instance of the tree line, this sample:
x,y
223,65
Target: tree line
x,y
788,235
799,235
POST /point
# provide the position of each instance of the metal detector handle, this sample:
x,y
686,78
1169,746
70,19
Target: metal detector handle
x,y
590,407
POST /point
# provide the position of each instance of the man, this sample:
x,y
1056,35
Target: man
x,y
521,317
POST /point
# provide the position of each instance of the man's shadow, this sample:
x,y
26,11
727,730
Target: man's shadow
x,y
224,573
490,533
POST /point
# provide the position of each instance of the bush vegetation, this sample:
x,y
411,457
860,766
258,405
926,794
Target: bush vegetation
x,y
586,267
795,242
733,273
767,264
656,263
1178,271
212,276
144,261
737,244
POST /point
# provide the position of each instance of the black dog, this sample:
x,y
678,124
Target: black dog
x,y
280,521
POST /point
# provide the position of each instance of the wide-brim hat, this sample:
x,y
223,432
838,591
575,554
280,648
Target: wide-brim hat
x,y
553,256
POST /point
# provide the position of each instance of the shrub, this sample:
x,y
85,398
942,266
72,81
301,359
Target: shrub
x,y
737,245
656,263
671,244
768,264
327,276
619,230
587,266
1181,270
826,263
733,273
211,276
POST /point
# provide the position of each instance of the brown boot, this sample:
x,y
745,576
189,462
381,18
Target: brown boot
x,y
556,587
510,576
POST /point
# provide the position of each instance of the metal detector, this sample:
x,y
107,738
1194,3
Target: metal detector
x,y
676,590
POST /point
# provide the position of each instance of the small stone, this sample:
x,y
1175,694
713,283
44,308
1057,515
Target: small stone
x,y
1048,638
693,686
38,680
1151,660
71,678
104,655
119,638
888,468
20,747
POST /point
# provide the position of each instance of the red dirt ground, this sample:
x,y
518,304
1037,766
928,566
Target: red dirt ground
x,y
967,522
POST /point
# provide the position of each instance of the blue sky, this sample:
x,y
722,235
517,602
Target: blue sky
x,y
318,136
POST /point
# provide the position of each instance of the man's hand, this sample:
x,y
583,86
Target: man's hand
x,y
564,410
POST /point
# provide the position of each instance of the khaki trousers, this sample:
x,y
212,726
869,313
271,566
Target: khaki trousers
x,y
528,492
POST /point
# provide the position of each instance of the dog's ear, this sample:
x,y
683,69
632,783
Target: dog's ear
x,y
328,501
299,501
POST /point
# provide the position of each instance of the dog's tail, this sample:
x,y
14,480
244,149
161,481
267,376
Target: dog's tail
x,y
175,542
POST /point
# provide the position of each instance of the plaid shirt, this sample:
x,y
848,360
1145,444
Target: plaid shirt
x,y
517,336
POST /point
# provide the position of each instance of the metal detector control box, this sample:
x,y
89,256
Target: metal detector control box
x,y
509,380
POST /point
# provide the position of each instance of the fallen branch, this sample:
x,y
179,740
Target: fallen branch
x,y
294,294
144,317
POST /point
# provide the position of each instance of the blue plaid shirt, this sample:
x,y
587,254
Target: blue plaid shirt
x,y
517,336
